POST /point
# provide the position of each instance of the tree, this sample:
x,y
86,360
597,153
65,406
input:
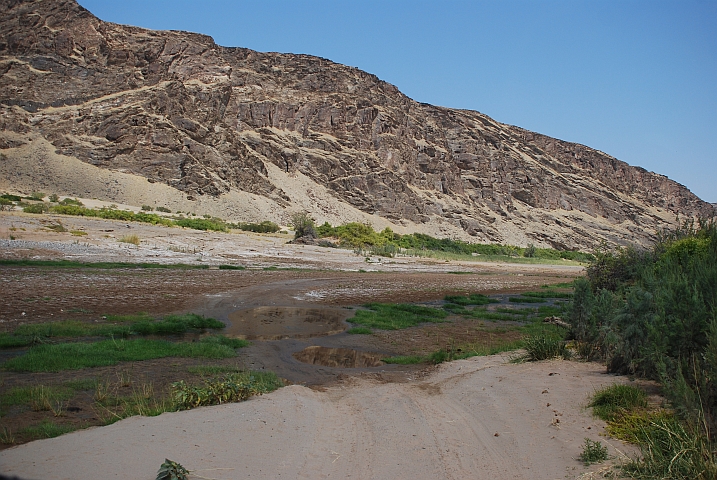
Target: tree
x,y
303,224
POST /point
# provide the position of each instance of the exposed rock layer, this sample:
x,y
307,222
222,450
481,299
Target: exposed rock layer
x,y
178,109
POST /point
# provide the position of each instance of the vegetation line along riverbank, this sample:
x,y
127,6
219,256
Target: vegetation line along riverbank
x,y
359,237
653,313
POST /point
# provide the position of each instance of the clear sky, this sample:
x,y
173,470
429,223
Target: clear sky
x,y
634,79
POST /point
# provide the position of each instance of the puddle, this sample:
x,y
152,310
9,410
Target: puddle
x,y
338,357
276,323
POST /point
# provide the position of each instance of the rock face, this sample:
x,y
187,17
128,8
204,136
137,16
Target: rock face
x,y
178,109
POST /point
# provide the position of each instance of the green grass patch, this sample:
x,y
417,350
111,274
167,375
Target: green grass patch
x,y
526,300
391,316
47,429
8,340
611,401
455,309
472,299
175,324
73,356
550,310
134,324
226,341
405,359
537,327
37,397
359,331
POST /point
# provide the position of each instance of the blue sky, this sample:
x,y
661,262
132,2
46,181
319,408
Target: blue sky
x,y
635,79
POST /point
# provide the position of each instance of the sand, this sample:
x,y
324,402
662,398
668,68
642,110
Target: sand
x,y
475,418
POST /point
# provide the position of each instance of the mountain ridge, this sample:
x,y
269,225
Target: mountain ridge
x,y
214,122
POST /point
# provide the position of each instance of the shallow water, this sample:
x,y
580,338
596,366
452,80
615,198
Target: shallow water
x,y
276,323
338,357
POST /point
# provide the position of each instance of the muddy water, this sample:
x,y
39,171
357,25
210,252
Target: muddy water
x,y
277,323
338,357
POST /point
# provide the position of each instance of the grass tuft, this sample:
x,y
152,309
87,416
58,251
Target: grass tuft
x,y
593,452
613,400
133,239
544,347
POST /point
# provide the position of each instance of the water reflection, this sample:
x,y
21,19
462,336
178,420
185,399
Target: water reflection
x,y
338,357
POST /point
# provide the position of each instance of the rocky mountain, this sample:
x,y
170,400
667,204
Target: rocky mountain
x,y
242,134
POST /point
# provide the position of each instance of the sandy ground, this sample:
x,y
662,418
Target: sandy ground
x,y
478,418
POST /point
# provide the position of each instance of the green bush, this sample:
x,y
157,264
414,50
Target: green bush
x,y
264,227
35,208
11,198
654,313
303,225
71,201
214,224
